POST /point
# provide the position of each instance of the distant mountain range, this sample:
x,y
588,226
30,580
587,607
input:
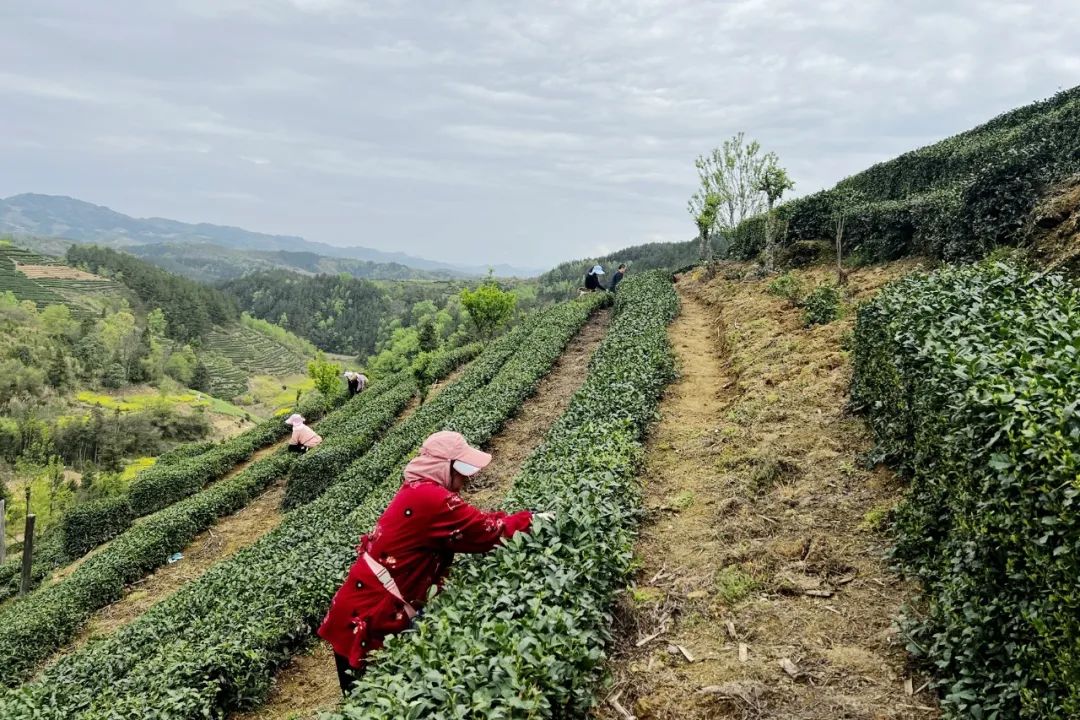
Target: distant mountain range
x,y
194,249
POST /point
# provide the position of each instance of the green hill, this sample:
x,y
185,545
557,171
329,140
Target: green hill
x,y
955,199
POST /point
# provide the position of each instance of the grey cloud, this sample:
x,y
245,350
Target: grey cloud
x,y
494,132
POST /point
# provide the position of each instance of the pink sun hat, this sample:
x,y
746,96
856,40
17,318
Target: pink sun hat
x,y
295,419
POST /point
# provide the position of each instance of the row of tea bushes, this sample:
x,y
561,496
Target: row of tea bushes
x,y
46,619
316,471
956,199
970,378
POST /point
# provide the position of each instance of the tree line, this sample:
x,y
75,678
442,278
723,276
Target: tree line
x,y
190,308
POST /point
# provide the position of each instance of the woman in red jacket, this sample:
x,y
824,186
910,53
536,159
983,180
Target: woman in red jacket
x,y
411,549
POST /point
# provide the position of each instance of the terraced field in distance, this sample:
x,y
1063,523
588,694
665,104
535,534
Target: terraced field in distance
x,y
47,281
250,349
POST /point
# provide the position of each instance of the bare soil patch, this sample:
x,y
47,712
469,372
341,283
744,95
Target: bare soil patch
x,y
57,272
762,591
309,684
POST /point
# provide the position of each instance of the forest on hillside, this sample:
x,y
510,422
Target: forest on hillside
x,y
191,309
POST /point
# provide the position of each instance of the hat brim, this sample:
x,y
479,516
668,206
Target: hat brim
x,y
465,468
477,458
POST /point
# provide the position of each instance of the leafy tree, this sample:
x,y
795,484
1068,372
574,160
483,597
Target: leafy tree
x,y
488,306
705,221
156,323
90,352
327,375
58,374
115,376
200,377
774,182
732,172
181,365
427,335
57,322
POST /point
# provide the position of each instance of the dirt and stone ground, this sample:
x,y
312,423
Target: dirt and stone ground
x,y
309,683
762,591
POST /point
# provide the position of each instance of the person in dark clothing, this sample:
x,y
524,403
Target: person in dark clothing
x,y
618,276
592,279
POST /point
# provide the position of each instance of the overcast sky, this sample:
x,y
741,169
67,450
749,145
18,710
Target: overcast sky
x,y
520,132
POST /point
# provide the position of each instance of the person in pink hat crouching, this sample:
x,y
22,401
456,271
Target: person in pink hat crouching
x,y
411,549
303,438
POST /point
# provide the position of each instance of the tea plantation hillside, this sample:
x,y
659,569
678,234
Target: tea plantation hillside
x,y
956,199
48,281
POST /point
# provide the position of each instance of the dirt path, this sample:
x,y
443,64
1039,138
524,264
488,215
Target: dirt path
x,y
308,684
761,593
227,537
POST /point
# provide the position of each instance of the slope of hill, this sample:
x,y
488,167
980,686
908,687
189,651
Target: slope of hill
x,y
46,281
956,199
83,222
566,278
211,263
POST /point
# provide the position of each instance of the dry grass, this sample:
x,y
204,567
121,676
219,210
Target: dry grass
x,y
774,553
1057,228
57,272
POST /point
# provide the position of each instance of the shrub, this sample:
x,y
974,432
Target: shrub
x,y
970,378
787,286
821,306
89,524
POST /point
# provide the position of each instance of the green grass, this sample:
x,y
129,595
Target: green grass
x,y
144,401
733,584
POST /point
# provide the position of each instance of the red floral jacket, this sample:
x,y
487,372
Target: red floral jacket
x,y
415,540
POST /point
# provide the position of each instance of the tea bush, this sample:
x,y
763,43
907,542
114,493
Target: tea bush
x,y
821,306
184,452
521,632
956,199
970,378
214,645
787,286
89,524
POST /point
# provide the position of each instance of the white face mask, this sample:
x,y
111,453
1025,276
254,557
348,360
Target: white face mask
x,y
465,468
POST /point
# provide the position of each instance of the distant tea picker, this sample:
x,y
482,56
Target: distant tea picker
x,y
592,279
356,382
303,438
